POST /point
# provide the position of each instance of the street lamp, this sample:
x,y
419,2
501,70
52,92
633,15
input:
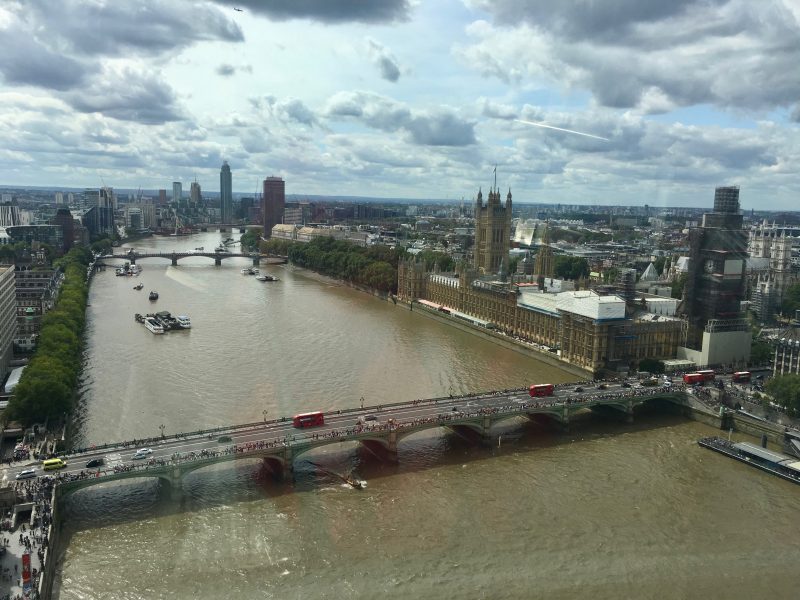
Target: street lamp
x,y
265,413
162,427
362,402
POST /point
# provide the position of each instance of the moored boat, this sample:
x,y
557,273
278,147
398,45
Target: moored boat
x,y
153,326
138,286
153,296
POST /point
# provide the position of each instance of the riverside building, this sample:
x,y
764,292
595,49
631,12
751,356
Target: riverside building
x,y
592,330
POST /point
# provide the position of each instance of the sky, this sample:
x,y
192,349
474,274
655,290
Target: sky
x,y
408,98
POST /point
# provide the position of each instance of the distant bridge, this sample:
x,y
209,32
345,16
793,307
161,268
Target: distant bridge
x,y
132,257
380,428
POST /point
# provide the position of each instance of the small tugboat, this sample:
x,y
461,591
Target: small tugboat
x,y
138,286
153,296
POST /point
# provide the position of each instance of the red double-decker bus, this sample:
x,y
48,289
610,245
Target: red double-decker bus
x,y
742,376
541,389
708,374
312,419
692,378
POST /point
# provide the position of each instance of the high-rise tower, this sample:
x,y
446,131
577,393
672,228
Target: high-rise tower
x,y
492,232
225,194
273,202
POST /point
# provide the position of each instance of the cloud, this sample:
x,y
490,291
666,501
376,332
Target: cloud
x,y
128,95
226,70
644,54
439,127
383,59
289,109
148,27
26,61
326,11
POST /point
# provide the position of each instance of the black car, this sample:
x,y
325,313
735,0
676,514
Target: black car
x,y
95,462
625,384
578,389
602,386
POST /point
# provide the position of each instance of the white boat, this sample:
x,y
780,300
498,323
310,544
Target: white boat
x,y
267,278
153,326
134,269
247,271
184,322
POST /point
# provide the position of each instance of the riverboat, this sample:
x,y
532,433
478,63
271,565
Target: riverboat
x,y
153,326
184,322
247,271
153,296
784,466
266,277
138,286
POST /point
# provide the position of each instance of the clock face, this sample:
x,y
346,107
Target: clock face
x,y
709,266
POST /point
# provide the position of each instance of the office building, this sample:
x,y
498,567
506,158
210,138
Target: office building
x,y
194,193
8,316
225,194
273,201
162,197
177,193
63,218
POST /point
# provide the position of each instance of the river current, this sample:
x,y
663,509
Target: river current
x,y
608,510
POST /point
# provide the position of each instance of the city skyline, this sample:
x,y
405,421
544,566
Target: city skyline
x,y
396,99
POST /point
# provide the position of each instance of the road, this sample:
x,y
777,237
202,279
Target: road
x,y
278,431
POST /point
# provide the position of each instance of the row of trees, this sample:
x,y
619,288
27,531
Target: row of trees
x,y
375,266
47,387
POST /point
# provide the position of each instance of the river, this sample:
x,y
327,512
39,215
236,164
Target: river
x,y
608,510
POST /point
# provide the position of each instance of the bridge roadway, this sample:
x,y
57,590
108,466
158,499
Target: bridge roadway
x,y
278,443
218,257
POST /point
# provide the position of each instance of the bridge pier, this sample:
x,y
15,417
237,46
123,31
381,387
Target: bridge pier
x,y
256,260
174,260
175,485
132,259
217,260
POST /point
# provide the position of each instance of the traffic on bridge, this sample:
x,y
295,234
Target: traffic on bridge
x,y
280,441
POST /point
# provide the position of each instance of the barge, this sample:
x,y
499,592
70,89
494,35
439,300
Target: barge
x,y
784,466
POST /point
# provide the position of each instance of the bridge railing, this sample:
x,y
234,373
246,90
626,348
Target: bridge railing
x,y
221,430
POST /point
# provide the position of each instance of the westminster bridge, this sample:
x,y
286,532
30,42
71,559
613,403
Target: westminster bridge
x,y
218,257
380,428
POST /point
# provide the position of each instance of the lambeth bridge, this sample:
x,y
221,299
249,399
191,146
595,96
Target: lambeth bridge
x,y
218,257
277,443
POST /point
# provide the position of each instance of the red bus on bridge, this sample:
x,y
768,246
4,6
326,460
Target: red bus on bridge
x,y
742,376
541,389
708,374
692,378
312,419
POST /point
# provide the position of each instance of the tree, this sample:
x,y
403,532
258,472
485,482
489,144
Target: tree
x,y
651,365
571,267
791,300
678,285
760,352
785,390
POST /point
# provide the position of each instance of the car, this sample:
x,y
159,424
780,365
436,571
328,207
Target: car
x,y
370,418
142,453
224,438
455,409
95,462
625,384
26,474
579,389
602,386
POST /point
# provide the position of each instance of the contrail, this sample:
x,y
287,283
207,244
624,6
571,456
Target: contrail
x,y
597,137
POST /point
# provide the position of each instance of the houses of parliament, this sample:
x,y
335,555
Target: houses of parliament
x,y
595,330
